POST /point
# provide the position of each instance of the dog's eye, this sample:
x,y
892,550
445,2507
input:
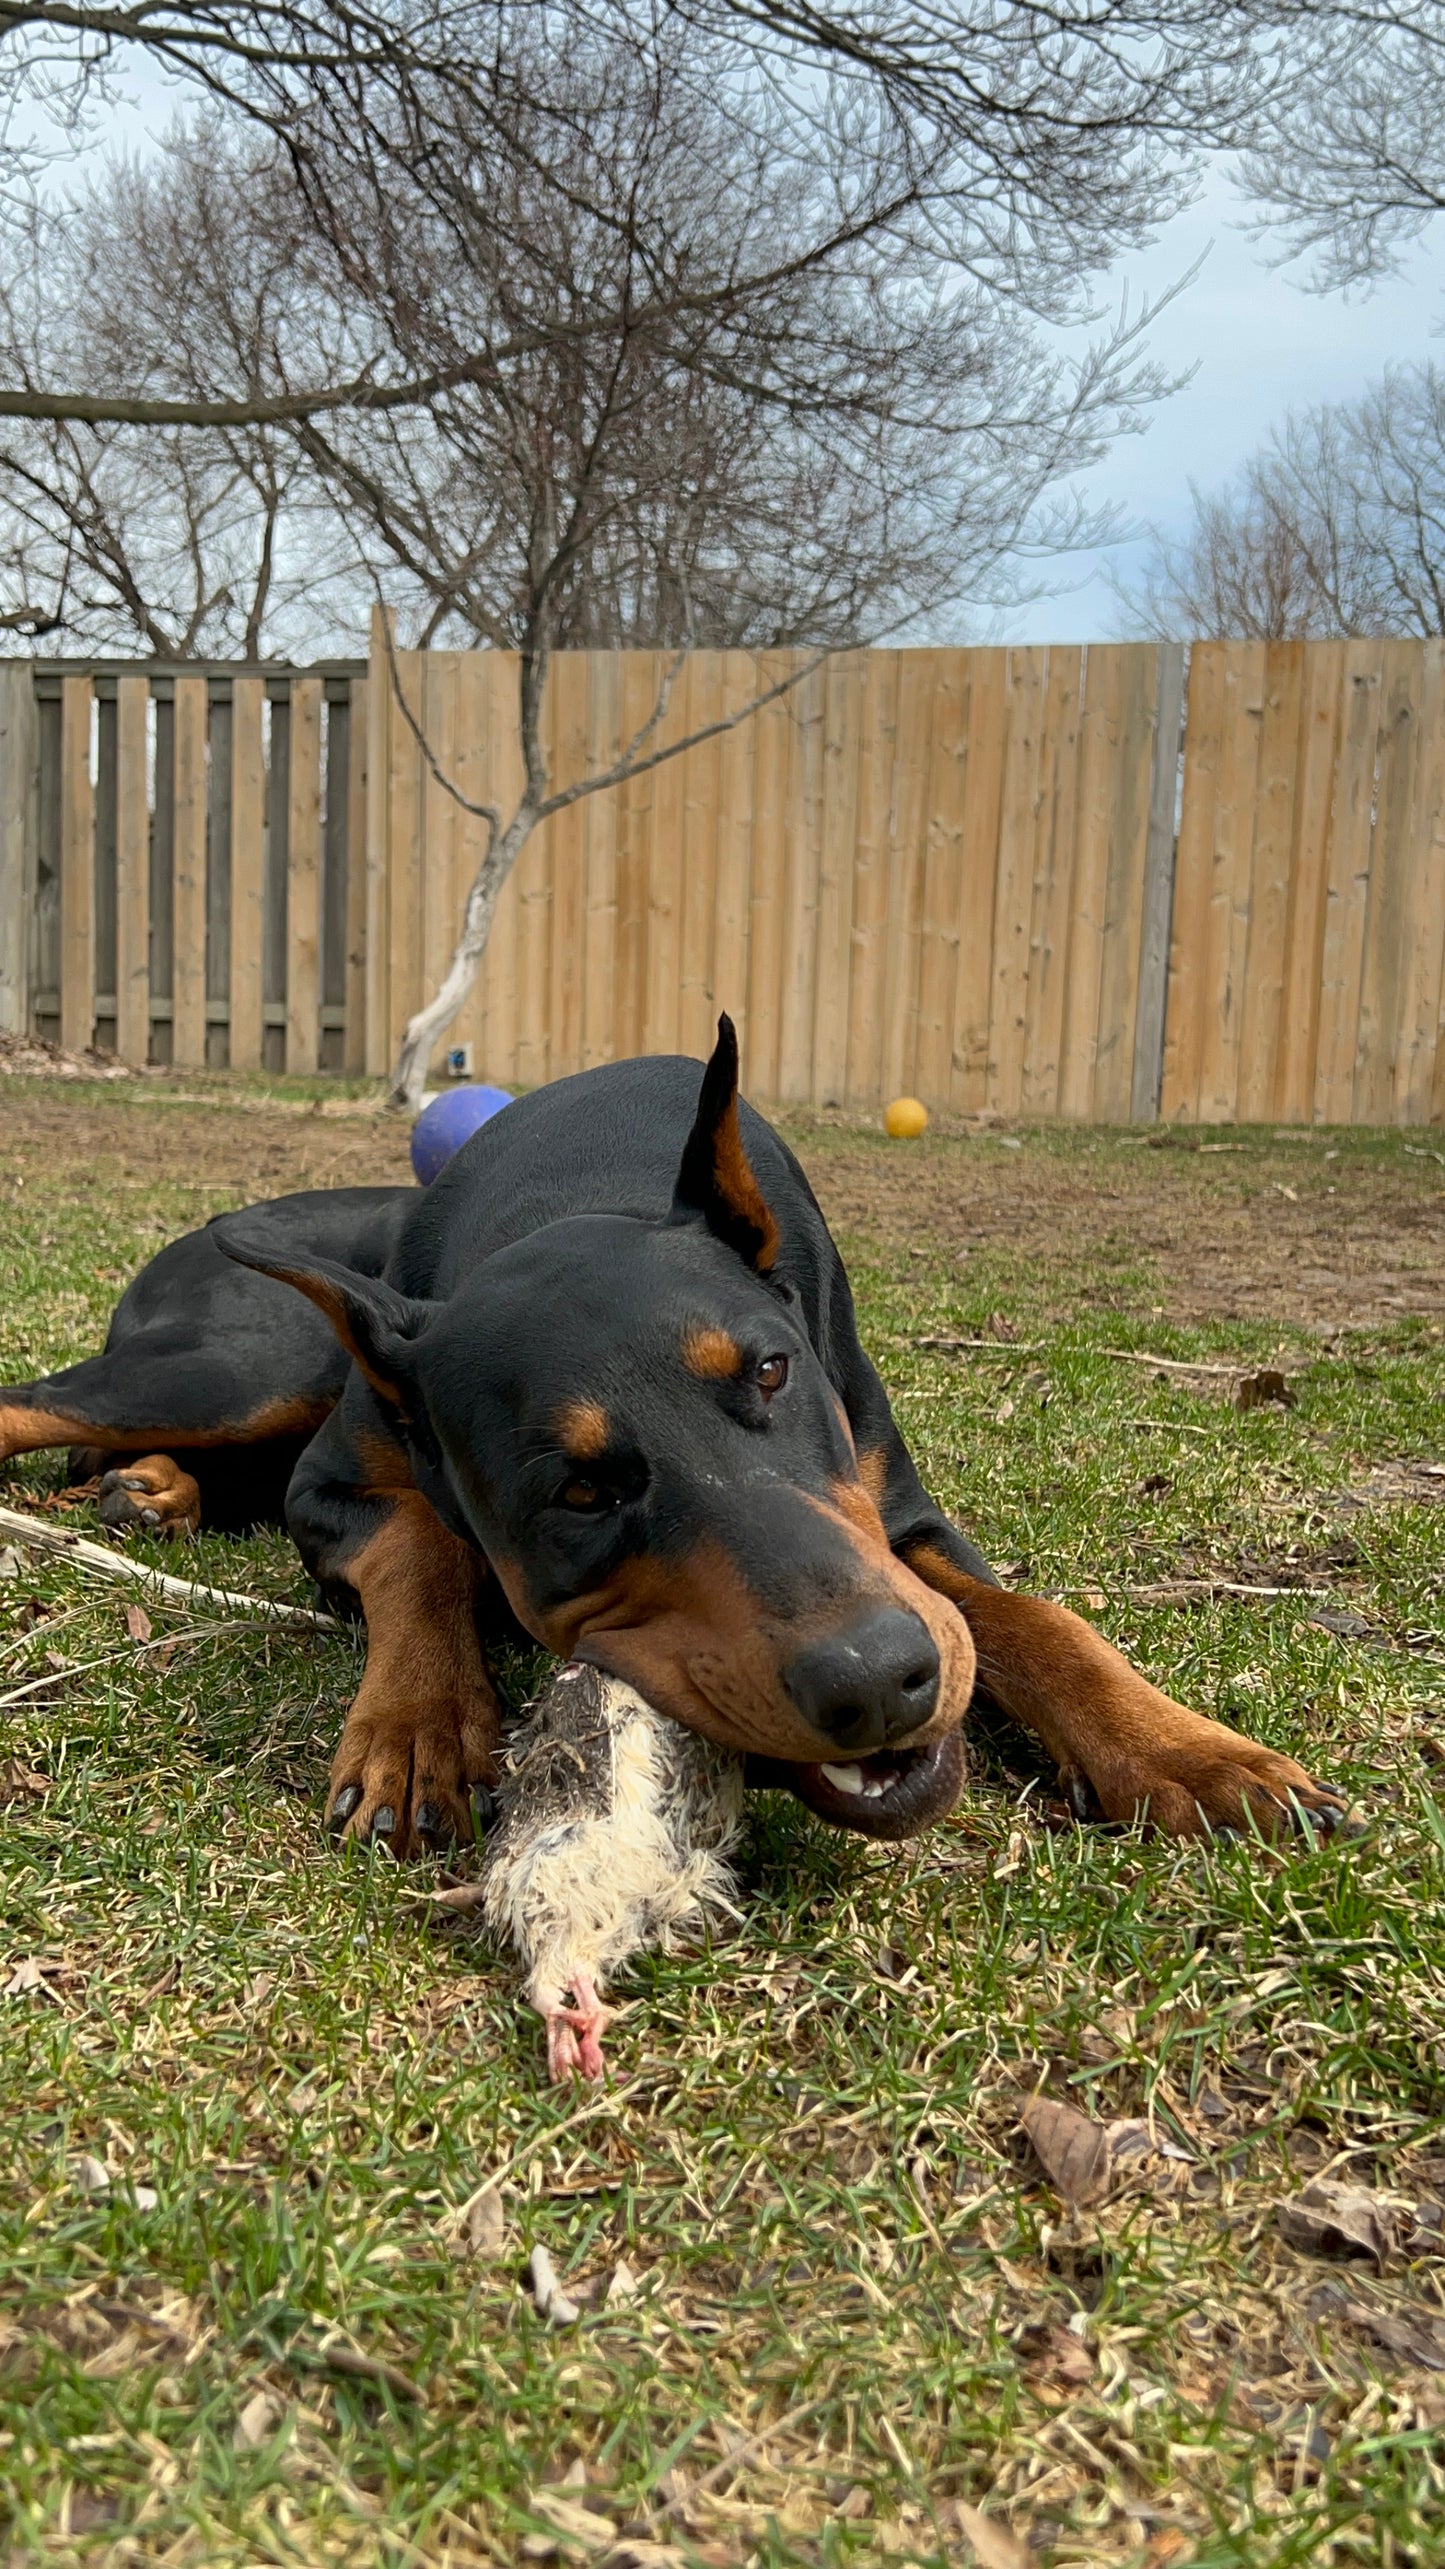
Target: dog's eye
x,y
772,1374
584,1496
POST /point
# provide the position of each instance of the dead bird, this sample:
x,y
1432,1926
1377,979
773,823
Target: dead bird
x,y
613,1830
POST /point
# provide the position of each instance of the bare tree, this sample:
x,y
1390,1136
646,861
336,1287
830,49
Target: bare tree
x,y
1348,141
177,541
1337,527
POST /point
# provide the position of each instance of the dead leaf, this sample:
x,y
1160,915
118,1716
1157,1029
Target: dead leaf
x,y
480,2228
137,1623
91,2175
369,2368
9,1562
552,2303
1333,2220
1003,1413
622,2284
1072,2151
994,2547
855,2506
256,2421
1000,1325
1415,2341
22,1783
1260,1390
29,1975
1055,2354
578,2524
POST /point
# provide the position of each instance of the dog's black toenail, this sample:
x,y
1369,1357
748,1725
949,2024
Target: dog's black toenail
x,y
384,1822
1079,1796
150,1516
342,1808
432,1823
484,1808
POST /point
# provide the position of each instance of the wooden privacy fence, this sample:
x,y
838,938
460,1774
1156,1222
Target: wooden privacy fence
x,y
1055,882
193,839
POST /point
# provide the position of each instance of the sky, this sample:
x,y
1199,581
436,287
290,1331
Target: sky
x,y
1259,345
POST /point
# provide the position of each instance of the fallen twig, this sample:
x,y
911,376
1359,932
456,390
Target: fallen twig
x,y
361,2368
983,1346
114,1565
1179,1590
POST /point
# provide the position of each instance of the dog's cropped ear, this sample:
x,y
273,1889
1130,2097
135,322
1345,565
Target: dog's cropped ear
x,y
715,1183
375,1324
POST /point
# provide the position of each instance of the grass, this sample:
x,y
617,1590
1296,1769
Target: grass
x,y
853,2279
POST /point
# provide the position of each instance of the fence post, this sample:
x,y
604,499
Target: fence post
x,y
18,816
1148,1076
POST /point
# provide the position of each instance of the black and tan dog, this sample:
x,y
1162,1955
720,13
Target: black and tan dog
x,y
605,1373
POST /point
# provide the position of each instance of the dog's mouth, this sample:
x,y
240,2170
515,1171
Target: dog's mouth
x,y
895,1793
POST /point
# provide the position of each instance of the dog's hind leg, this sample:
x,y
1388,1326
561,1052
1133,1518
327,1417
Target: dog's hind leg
x,y
153,1398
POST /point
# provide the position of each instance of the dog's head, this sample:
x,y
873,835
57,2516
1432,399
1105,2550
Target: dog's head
x,y
629,1419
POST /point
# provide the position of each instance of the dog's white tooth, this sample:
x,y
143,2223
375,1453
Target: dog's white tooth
x,y
874,1790
848,1779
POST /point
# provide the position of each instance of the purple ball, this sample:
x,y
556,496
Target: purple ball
x,y
451,1119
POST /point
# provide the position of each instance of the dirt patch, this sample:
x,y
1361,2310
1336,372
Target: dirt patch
x,y
250,1150
32,1057
1256,1231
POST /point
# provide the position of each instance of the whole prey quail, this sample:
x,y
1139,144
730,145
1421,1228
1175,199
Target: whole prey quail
x,y
613,1831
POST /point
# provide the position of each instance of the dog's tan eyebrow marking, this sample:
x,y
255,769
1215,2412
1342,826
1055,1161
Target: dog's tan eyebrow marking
x,y
712,1353
584,1430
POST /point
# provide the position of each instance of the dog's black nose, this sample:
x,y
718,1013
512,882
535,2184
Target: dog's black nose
x,y
868,1686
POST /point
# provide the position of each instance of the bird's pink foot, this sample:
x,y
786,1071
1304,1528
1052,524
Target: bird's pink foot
x,y
574,2034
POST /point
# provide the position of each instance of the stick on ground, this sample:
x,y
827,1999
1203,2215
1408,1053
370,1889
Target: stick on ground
x,y
114,1565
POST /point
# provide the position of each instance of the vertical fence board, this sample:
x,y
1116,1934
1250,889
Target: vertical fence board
x,y
1099,730
218,876
132,870
501,779
248,868
19,831
978,863
731,919
940,920
695,855
378,850
103,960
188,967
1294,1076
1227,940
1386,910
1124,892
878,729
1423,937
802,851
1269,890
77,868
664,838
567,714
912,756
1013,887
358,750
837,851
1347,881
634,811
765,940
600,816
1052,887
1193,883
303,889
1147,1079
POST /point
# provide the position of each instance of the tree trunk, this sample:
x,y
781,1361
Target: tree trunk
x,y
431,1021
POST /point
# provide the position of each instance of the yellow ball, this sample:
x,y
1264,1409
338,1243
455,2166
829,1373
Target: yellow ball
x,y
905,1119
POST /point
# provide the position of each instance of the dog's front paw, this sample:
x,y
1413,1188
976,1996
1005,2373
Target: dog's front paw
x,y
413,1779
1195,1778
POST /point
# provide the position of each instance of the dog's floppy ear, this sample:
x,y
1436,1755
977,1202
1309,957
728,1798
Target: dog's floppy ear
x,y
375,1324
715,1183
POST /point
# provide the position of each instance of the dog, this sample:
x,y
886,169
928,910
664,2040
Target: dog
x,y
603,1380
